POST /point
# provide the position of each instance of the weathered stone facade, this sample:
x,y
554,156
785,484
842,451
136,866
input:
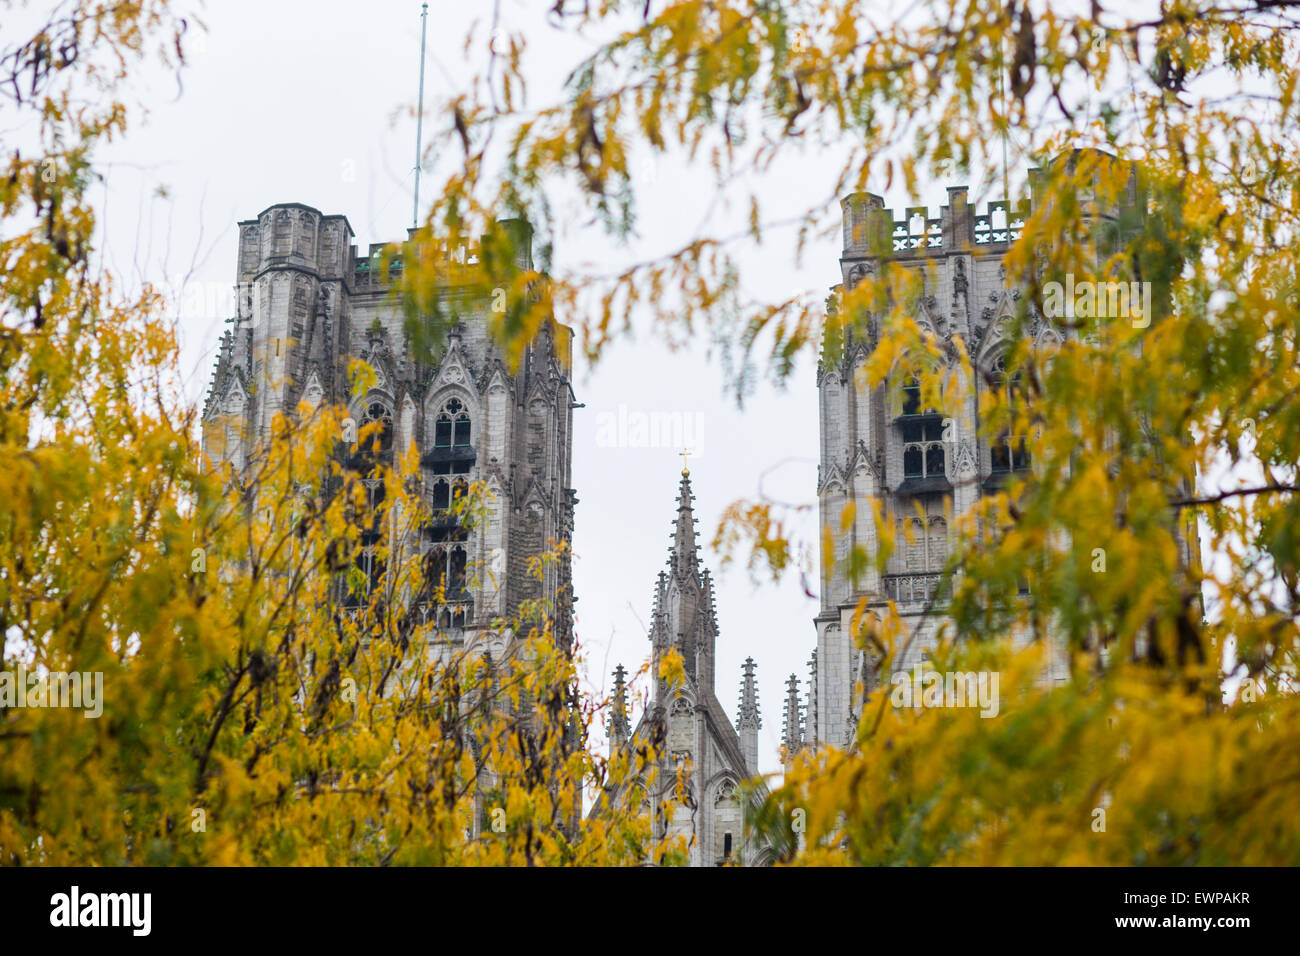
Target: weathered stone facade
x,y
308,304
905,457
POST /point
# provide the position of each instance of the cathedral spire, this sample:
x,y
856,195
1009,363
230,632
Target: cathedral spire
x,y
685,548
685,617
705,746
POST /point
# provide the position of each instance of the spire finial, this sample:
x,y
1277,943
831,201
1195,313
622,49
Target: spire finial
x,y
685,471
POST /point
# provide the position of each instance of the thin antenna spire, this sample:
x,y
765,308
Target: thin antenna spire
x,y
1001,89
419,117
1006,116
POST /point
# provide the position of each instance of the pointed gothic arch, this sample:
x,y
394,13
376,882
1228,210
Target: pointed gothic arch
x,y
450,429
1007,453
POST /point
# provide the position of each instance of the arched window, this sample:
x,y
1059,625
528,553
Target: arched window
x,y
1007,453
727,821
370,452
445,567
923,541
447,492
282,234
381,444
452,429
923,445
912,397
435,569
452,453
456,581
445,597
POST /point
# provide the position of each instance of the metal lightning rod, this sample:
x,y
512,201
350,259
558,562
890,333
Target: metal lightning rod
x,y
419,117
1006,125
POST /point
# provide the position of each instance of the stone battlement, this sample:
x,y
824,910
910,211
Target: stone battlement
x,y
297,236
870,229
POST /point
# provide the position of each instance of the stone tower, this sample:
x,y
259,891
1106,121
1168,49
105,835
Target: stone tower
x,y
921,465
701,742
308,304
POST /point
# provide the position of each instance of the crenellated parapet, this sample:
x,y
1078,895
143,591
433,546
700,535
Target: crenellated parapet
x,y
873,231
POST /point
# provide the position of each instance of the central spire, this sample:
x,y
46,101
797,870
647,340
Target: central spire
x,y
685,617
685,548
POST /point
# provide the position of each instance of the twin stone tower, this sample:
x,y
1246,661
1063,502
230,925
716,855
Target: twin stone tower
x,y
308,303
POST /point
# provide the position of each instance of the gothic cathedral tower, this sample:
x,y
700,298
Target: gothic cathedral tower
x,y
920,465
307,305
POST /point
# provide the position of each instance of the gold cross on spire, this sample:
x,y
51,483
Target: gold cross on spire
x,y
685,471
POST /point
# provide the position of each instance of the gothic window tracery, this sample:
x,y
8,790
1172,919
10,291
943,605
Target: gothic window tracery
x,y
924,542
381,445
924,449
445,568
726,821
452,452
445,596
370,452
446,493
